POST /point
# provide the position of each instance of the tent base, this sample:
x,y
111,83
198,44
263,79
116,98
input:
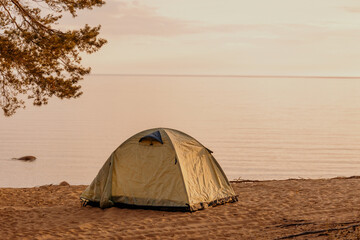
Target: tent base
x,y
204,205
192,208
158,208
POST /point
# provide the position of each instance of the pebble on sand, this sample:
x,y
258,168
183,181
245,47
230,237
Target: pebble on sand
x,y
64,183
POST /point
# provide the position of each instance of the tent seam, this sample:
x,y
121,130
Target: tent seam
x,y
181,172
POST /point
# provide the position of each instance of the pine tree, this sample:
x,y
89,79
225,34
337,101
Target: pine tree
x,y
37,60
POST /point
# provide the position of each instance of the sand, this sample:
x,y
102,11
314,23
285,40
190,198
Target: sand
x,y
288,209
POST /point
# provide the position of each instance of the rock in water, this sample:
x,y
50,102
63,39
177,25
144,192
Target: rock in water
x,y
26,158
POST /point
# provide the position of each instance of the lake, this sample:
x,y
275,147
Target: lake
x,y
257,127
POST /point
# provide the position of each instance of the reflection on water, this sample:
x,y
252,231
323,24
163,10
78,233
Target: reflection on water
x,y
258,128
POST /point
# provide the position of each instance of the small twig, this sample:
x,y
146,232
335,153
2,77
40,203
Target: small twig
x,y
293,224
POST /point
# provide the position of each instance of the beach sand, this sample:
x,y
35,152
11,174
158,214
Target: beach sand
x,y
286,209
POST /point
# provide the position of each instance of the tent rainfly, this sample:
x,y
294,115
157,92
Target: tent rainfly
x,y
160,167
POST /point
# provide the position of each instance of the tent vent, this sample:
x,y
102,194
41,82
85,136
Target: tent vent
x,y
155,136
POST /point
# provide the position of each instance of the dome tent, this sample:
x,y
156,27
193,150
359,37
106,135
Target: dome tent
x,y
160,167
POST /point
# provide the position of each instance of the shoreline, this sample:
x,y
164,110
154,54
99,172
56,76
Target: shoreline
x,y
269,209
239,180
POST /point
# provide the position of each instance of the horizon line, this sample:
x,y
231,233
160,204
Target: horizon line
x,y
224,75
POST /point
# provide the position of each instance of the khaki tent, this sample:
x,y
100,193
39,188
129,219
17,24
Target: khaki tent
x,y
160,168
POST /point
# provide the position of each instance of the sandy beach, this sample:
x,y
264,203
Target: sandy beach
x,y
283,209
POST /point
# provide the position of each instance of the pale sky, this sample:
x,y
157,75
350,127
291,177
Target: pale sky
x,y
231,37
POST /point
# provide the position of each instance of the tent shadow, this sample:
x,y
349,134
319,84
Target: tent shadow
x,y
143,207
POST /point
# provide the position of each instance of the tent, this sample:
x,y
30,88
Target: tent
x,y
160,167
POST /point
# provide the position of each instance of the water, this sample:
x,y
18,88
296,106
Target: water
x,y
258,128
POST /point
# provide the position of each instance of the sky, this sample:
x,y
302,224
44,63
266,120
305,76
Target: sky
x,y
231,37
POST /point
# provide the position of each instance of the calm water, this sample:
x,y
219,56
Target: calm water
x,y
258,128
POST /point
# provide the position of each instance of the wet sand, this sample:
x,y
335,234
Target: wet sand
x,y
288,209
